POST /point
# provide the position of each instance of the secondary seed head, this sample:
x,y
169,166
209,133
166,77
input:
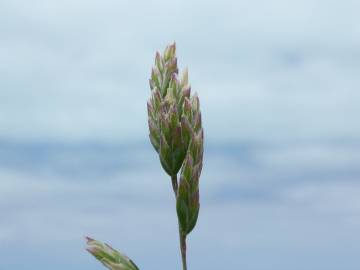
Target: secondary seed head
x,y
109,257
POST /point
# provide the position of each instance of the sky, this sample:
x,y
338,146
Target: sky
x,y
278,84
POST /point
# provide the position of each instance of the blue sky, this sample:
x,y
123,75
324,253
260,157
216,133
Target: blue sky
x,y
278,83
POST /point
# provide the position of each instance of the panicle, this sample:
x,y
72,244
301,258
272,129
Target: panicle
x,y
175,131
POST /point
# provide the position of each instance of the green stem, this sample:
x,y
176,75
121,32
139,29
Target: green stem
x,y
182,237
174,184
183,248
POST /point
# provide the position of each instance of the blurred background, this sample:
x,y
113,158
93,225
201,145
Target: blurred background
x,y
279,88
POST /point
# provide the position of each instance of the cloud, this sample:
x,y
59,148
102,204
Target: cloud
x,y
255,201
278,83
73,72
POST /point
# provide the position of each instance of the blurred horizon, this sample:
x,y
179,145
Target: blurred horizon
x,y
278,83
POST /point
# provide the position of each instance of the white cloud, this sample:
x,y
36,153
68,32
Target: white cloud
x,y
248,207
75,71
282,75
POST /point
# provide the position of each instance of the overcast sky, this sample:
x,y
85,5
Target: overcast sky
x,y
75,70
279,88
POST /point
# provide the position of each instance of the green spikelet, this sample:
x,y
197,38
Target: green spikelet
x,y
166,110
109,257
